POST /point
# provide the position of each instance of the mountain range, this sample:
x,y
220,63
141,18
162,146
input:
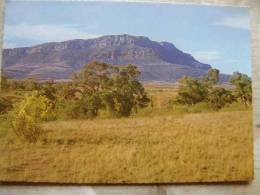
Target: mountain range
x,y
157,61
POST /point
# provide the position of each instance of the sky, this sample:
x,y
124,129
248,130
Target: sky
x,y
217,35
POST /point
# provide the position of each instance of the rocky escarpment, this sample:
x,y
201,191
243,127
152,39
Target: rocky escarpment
x,y
157,61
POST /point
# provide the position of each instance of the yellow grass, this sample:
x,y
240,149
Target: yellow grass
x,y
208,147
161,97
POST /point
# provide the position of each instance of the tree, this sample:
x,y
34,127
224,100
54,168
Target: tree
x,y
212,78
243,87
86,108
27,114
93,77
126,93
219,97
117,87
191,91
89,85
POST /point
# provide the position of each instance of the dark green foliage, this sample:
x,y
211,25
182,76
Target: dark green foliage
x,y
93,77
219,97
118,88
243,87
191,91
85,108
126,93
120,102
97,86
212,78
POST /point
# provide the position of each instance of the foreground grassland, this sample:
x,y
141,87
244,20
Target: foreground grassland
x,y
161,147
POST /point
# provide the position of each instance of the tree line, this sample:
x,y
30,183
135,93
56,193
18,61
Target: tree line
x,y
192,91
97,86
100,87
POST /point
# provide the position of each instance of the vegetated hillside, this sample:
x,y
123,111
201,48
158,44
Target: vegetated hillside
x,y
157,61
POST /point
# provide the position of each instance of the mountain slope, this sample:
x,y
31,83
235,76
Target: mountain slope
x,y
158,61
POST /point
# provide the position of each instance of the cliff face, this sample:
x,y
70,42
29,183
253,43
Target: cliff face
x,y
158,61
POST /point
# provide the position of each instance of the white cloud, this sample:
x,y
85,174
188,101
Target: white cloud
x,y
241,22
207,56
44,33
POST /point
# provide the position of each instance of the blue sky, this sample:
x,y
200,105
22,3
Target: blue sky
x,y
216,35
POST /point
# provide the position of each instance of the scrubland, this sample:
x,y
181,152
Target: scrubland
x,y
160,144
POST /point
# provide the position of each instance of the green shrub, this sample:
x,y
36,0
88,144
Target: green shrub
x,y
243,87
85,108
191,91
219,97
27,115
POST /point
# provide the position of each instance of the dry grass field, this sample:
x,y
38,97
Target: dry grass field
x,y
158,148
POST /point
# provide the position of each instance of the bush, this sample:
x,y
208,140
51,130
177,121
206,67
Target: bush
x,y
119,104
191,91
243,87
220,97
85,108
27,115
